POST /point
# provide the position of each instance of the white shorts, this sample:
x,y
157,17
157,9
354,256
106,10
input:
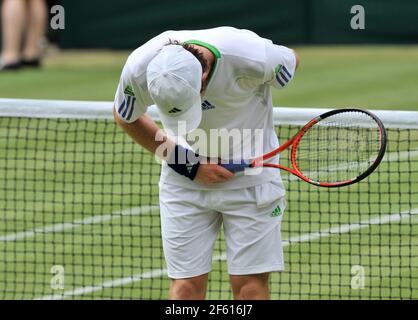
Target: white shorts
x,y
191,220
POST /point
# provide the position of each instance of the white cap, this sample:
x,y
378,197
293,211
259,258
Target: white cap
x,y
174,80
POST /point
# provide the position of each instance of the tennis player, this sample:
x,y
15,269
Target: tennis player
x,y
214,79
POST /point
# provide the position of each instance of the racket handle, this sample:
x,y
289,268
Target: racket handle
x,y
235,167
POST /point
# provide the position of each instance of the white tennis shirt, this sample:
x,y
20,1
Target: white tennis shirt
x,y
237,100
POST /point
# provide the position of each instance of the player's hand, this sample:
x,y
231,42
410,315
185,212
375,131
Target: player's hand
x,y
209,173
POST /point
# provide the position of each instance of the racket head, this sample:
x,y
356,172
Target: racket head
x,y
339,147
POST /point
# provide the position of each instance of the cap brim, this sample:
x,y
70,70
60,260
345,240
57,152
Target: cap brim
x,y
185,122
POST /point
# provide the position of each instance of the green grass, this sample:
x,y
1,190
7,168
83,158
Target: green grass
x,y
375,77
53,174
68,76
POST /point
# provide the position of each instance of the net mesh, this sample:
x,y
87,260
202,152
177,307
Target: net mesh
x,y
80,220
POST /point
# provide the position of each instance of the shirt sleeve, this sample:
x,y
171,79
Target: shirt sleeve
x,y
127,100
280,65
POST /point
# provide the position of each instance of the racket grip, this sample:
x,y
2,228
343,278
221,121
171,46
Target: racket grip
x,y
235,167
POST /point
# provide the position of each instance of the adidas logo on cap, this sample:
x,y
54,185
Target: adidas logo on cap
x,y
174,110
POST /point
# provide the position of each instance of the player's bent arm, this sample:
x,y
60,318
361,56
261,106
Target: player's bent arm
x,y
144,132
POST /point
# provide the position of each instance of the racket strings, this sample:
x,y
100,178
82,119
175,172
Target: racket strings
x,y
338,148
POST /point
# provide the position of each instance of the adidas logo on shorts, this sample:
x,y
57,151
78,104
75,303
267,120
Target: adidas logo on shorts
x,y
276,212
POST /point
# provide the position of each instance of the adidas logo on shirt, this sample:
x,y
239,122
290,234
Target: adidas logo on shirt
x,y
283,75
206,105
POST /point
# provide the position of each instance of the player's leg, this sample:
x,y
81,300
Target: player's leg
x,y
188,289
36,28
251,287
13,16
252,219
189,230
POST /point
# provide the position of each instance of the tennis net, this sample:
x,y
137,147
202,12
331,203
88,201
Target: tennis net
x,y
79,216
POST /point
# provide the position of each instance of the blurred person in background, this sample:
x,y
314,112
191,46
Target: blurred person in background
x,y
23,29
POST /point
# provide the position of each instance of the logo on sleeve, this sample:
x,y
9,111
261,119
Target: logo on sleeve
x,y
129,91
283,75
278,68
126,109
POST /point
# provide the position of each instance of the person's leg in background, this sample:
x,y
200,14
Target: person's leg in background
x,y
37,15
13,16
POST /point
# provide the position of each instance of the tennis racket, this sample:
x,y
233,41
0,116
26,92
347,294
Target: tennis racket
x,y
335,149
